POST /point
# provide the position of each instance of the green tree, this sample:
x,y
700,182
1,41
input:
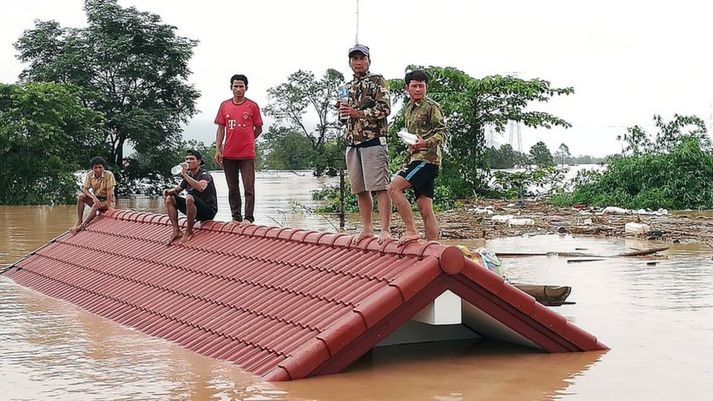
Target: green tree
x,y
470,104
46,135
668,136
504,157
299,102
133,69
287,150
540,155
674,170
562,154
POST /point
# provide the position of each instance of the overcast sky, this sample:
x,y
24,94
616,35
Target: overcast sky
x,y
627,60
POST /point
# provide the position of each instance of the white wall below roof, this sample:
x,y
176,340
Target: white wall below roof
x,y
446,309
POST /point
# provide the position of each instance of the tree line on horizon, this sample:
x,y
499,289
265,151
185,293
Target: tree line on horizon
x,y
123,80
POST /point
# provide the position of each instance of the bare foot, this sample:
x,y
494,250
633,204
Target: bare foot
x,y
364,234
244,223
76,229
406,238
187,235
174,236
384,236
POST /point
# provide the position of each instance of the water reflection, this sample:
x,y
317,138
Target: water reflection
x,y
454,371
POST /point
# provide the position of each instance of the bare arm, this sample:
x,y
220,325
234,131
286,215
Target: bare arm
x,y
91,195
219,136
195,184
258,131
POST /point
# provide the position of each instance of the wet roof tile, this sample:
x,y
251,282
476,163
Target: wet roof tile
x,y
281,303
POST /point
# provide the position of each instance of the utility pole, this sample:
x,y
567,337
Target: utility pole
x,y
515,135
514,127
356,36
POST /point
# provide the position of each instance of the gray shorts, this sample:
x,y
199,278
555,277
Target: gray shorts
x,y
368,168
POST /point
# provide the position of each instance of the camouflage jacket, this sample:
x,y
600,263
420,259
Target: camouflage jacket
x,y
369,95
425,119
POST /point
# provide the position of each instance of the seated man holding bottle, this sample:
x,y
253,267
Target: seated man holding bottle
x,y
201,201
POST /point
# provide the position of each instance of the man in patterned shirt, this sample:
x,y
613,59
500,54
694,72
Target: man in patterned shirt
x,y
366,155
424,118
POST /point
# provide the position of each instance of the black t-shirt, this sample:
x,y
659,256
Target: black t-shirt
x,y
208,195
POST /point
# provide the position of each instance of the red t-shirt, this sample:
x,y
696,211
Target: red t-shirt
x,y
239,121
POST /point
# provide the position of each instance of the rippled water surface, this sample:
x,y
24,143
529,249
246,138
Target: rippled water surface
x,y
657,319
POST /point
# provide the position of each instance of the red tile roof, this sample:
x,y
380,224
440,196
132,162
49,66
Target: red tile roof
x,y
281,303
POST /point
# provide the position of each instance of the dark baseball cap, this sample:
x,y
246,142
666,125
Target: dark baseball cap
x,y
195,154
360,49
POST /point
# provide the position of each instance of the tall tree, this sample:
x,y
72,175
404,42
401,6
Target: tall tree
x,y
668,136
540,155
562,154
46,134
305,105
470,104
287,150
132,67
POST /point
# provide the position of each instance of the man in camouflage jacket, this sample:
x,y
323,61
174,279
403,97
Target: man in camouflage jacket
x,y
365,133
424,118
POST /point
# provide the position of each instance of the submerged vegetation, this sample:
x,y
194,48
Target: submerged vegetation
x,y
672,168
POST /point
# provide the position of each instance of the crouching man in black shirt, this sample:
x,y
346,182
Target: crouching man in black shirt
x,y
201,201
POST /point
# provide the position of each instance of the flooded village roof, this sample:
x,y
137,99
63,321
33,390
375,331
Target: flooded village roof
x,y
281,303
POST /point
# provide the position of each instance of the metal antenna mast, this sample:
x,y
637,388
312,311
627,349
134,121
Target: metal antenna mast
x,y
356,36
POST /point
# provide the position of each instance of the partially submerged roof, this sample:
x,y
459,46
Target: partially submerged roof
x,y
281,303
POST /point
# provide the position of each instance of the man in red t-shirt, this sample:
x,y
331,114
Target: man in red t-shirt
x,y
239,123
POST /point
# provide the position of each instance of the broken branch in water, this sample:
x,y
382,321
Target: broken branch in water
x,y
641,252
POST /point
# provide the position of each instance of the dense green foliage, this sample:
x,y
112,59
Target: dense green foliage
x,y
132,68
540,155
673,169
529,182
504,157
291,143
46,134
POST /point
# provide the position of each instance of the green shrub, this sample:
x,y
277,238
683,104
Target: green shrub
x,y
680,178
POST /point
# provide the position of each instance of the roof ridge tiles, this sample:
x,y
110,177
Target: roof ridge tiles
x,y
322,238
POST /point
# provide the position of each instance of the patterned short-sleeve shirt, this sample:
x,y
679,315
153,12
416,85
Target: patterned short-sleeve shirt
x,y
425,119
